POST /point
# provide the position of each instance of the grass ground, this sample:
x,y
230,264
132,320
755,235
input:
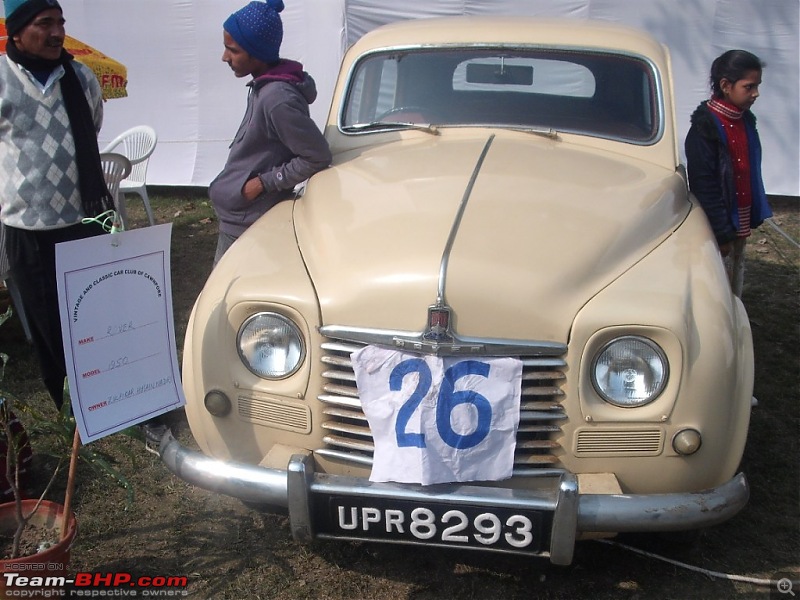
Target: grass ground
x,y
230,552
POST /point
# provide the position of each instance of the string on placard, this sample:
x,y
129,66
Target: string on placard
x,y
109,221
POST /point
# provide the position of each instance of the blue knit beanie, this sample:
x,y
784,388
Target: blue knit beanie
x,y
21,12
258,29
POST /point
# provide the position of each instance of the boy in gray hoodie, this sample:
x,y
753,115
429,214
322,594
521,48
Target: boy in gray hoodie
x,y
278,145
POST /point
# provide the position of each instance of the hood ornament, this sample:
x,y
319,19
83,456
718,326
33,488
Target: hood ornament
x,y
438,337
438,326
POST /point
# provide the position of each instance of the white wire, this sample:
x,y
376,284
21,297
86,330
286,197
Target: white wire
x,y
108,220
783,233
716,574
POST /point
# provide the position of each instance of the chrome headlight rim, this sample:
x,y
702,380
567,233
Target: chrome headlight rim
x,y
658,352
292,327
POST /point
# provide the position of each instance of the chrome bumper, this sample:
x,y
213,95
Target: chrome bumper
x,y
573,513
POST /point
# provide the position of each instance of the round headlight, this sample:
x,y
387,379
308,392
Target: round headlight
x,y
630,371
270,345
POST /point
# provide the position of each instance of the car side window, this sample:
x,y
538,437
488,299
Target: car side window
x,y
372,91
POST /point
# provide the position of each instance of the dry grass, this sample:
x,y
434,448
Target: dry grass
x,y
230,552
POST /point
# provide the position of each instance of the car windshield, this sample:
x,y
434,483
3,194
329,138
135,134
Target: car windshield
x,y
585,92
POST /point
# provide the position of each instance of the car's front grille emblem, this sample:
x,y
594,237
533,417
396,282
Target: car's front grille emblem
x,y
438,328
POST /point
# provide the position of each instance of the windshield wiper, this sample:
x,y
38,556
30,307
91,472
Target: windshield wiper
x,y
426,127
547,132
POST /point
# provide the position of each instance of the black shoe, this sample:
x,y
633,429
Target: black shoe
x,y
153,432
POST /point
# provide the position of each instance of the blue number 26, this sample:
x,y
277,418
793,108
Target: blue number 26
x,y
448,399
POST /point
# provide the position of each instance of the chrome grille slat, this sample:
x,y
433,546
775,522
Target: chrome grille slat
x,y
341,390
346,347
539,375
347,401
541,411
535,459
541,391
538,406
543,362
355,430
536,444
337,361
531,415
541,471
340,375
345,414
526,428
343,442
352,457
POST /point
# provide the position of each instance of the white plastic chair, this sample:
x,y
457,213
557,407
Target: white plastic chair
x,y
137,144
116,168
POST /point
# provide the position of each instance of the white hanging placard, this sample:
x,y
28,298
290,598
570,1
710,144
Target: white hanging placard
x,y
115,298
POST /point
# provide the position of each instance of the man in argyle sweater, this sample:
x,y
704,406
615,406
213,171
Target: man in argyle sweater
x,y
50,175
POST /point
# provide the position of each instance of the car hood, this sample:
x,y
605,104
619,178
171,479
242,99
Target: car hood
x,y
545,227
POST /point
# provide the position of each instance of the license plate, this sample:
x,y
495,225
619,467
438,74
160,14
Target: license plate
x,y
454,525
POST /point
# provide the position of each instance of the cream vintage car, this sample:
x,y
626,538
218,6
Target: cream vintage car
x,y
498,321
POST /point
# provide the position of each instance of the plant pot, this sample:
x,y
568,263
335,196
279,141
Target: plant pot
x,y
51,562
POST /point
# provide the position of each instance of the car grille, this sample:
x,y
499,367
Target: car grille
x,y
349,438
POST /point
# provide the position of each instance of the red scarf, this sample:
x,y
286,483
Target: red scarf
x,y
731,118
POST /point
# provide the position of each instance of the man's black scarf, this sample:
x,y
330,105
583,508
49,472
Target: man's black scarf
x,y
94,192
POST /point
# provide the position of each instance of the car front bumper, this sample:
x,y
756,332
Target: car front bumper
x,y
573,513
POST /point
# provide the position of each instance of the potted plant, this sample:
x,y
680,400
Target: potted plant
x,y
36,534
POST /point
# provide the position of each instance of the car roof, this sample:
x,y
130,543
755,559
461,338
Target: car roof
x,y
566,32
520,31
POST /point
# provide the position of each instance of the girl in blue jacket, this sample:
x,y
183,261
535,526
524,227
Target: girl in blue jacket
x,y
723,158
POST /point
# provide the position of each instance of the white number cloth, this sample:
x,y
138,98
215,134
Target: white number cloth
x,y
439,420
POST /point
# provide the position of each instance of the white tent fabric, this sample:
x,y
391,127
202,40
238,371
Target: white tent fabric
x,y
179,85
177,82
